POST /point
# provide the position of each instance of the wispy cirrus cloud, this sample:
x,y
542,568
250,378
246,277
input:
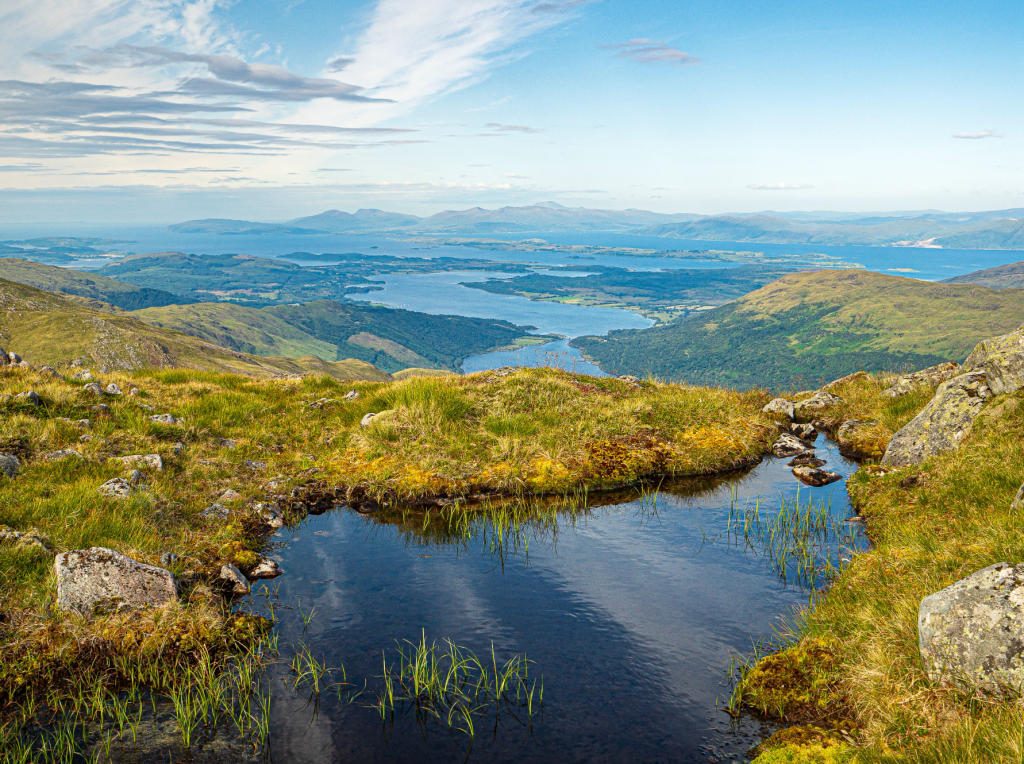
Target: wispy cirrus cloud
x,y
497,126
977,136
646,51
777,187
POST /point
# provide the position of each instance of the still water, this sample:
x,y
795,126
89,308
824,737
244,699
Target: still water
x,y
630,612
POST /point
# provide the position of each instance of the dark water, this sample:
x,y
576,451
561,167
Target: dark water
x,y
558,354
631,612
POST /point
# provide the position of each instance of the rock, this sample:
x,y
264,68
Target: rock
x,y
4,358
93,388
101,409
28,540
230,495
816,477
146,407
351,395
117,488
807,459
167,559
102,579
365,421
165,419
366,507
270,513
806,410
146,461
233,576
789,445
845,380
942,424
1001,359
804,432
933,375
49,371
179,448
83,424
218,511
64,453
134,391
25,365
83,376
972,632
29,396
319,404
14,358
780,406
84,438
136,478
226,443
9,464
265,568
846,436
255,466
1018,500
113,389
630,380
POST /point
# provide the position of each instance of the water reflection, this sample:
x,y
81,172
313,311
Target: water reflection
x,y
629,606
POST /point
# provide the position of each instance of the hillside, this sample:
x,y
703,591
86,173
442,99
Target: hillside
x,y
1009,276
387,338
48,328
360,220
811,327
91,285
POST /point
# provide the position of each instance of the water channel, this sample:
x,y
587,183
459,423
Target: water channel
x,y
630,610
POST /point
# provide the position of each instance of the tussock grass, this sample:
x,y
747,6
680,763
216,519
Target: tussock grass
x,y
932,525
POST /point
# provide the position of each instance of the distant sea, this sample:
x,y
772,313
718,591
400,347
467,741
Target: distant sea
x,y
440,293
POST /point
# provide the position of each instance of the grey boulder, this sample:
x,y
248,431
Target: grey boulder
x,y
83,376
145,461
9,464
1002,361
789,445
29,396
942,424
807,409
779,406
113,389
116,488
804,432
933,375
235,579
99,579
365,421
93,388
351,395
972,632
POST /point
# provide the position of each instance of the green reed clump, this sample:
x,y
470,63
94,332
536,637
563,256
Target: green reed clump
x,y
451,685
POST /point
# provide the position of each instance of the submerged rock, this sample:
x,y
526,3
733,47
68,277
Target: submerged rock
x,y
806,410
942,424
234,578
779,406
813,476
99,579
1002,361
9,464
790,445
933,375
807,459
972,632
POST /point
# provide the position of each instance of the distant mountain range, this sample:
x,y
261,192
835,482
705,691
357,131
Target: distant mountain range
x,y
998,229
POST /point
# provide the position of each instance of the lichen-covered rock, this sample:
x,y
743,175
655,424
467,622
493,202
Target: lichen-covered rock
x,y
235,579
49,371
319,404
270,513
814,476
933,375
848,436
165,419
83,376
230,495
1002,361
29,396
779,406
9,464
93,388
972,632
113,389
804,432
117,488
216,511
942,424
145,461
367,418
789,445
64,453
99,579
351,395
31,539
807,409
265,568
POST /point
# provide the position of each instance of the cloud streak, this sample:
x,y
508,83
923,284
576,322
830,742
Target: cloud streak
x,y
645,51
978,136
777,187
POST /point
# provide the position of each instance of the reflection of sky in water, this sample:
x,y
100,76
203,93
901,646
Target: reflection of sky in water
x,y
441,293
558,354
632,618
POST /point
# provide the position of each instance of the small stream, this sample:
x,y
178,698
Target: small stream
x,y
630,610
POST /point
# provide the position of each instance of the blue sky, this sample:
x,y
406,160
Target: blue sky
x,y
269,109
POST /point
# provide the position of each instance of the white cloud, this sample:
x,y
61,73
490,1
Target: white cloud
x,y
646,51
976,136
777,187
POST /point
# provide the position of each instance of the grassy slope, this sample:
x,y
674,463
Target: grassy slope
x,y
1010,276
855,662
48,328
90,285
808,328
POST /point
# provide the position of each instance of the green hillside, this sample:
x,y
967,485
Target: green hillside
x,y
91,285
49,328
812,327
1010,276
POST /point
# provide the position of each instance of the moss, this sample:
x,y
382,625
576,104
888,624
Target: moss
x,y
805,754
799,683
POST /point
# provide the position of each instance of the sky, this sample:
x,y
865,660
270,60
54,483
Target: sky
x,y
162,110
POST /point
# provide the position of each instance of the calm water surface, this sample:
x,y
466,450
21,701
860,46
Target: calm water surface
x,y
630,612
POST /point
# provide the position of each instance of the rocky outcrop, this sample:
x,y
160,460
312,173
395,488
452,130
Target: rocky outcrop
x,y
790,445
99,579
933,375
813,476
29,396
809,408
972,633
942,424
779,406
1001,359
